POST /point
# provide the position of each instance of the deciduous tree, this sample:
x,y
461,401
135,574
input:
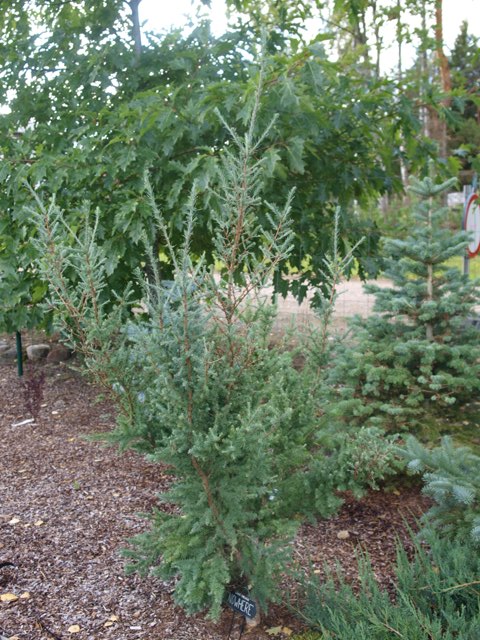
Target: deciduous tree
x,y
87,112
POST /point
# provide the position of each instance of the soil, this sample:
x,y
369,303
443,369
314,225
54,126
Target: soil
x,y
69,506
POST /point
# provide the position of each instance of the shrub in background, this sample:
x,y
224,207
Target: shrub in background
x,y
417,353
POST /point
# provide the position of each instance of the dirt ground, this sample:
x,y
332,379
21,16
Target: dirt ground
x,y
69,505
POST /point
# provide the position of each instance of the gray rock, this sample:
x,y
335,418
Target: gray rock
x,y
59,353
343,535
3,346
9,355
37,352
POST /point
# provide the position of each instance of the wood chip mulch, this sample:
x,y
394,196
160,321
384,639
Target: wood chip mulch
x,y
69,505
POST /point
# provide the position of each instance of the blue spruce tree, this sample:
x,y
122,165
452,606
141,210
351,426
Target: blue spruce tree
x,y
418,353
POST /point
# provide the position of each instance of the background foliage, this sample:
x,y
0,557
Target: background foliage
x,y
90,107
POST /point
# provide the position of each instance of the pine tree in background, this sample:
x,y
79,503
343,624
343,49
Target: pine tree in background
x,y
417,353
465,131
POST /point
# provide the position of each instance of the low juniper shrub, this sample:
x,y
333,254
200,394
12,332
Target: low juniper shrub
x,y
436,595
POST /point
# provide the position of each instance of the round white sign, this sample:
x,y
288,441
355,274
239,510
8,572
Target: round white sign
x,y
472,224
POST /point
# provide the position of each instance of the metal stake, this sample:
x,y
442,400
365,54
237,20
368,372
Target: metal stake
x,y
242,626
18,337
231,625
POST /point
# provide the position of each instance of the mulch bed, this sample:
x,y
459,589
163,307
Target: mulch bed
x,y
69,505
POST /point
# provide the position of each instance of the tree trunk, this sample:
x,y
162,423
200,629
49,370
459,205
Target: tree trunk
x,y
137,34
429,325
445,79
424,115
399,41
441,57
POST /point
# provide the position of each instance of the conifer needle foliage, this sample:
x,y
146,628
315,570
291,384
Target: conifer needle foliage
x,y
417,353
436,596
436,591
452,479
202,391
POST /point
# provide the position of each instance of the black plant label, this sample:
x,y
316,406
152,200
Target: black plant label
x,y
240,603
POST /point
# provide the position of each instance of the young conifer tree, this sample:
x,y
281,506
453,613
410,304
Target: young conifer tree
x,y
234,420
417,353
216,389
201,390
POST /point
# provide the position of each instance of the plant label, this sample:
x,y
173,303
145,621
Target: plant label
x,y
242,604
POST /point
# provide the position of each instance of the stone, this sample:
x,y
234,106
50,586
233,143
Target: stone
x,y
343,535
59,353
37,352
9,355
253,622
3,346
